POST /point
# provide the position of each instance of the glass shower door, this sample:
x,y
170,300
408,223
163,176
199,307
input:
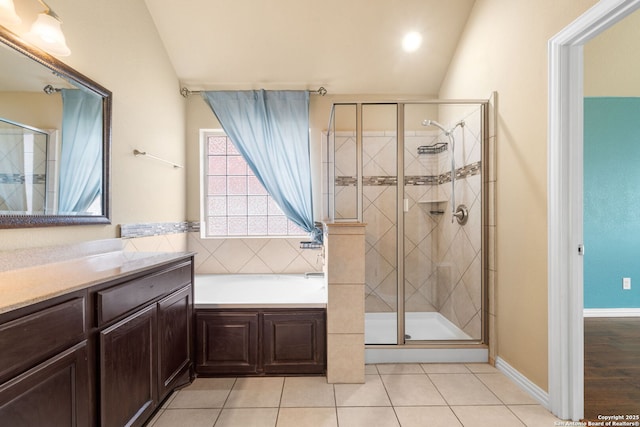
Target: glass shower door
x,y
443,257
380,207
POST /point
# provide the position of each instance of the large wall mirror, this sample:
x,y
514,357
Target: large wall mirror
x,y
55,139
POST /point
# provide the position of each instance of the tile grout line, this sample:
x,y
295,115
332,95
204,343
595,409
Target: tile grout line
x,y
284,380
393,408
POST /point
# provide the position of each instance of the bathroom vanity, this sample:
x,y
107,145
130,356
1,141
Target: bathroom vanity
x,y
100,340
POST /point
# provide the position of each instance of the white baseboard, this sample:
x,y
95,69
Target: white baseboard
x,y
523,382
612,312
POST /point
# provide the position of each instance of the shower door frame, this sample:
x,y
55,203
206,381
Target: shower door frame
x,y
401,341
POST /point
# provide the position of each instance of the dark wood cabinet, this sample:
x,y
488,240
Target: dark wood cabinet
x,y
294,342
260,341
106,355
175,340
44,366
53,393
147,354
128,394
227,342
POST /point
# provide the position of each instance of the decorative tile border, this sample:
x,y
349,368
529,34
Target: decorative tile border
x,y
461,173
379,180
131,231
20,178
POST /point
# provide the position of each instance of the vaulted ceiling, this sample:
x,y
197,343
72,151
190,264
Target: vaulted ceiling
x,y
347,46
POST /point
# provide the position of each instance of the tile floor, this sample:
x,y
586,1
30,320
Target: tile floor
x,y
407,395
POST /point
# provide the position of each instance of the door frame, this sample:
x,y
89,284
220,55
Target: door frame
x,y
565,203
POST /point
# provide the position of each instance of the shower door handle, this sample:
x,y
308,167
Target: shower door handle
x,y
580,249
406,205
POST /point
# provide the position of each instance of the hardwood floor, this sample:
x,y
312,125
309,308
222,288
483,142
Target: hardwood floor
x,y
611,366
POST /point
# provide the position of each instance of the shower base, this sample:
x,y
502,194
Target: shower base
x,y
380,338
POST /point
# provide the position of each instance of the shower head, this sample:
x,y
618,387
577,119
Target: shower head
x,y
434,123
428,122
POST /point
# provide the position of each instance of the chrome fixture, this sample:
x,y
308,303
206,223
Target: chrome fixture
x,y
137,153
449,134
436,148
461,214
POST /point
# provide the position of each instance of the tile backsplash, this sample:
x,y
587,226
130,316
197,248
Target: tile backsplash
x,y
253,256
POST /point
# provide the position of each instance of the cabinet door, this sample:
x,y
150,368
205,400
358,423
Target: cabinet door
x,y
227,342
128,370
174,340
54,393
294,343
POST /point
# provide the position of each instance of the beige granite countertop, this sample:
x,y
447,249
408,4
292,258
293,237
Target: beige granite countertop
x,y
31,284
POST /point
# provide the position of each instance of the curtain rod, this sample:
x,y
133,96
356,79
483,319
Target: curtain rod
x,y
186,92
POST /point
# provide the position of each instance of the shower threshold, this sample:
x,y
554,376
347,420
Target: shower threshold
x,y
381,332
381,328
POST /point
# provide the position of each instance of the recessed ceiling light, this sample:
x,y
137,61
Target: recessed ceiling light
x,y
411,41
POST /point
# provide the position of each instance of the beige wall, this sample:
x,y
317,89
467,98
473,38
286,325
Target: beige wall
x,y
504,48
612,60
116,44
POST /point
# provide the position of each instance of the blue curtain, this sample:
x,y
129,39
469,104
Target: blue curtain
x,y
271,131
81,153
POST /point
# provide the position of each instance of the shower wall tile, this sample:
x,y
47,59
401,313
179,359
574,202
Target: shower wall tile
x,y
472,280
473,326
417,302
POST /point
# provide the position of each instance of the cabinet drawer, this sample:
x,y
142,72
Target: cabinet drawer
x,y
118,300
30,339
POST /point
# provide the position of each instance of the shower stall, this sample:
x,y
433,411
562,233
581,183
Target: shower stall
x,y
414,173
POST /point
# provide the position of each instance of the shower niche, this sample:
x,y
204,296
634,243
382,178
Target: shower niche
x,y
414,172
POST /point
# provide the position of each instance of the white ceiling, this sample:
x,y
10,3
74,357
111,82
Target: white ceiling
x,y
347,46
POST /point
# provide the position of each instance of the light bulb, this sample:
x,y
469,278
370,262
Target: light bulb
x,y
8,14
47,35
411,41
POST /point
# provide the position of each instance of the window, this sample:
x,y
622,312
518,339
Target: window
x,y
235,203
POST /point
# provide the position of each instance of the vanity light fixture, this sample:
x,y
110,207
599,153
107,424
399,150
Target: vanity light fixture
x,y
8,14
46,33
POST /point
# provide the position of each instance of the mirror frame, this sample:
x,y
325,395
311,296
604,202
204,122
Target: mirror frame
x,y
56,66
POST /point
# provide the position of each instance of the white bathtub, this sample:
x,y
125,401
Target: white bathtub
x,y
259,290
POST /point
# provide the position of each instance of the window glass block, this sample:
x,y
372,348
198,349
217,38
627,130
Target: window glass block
x,y
257,205
277,225
294,229
237,226
217,185
217,145
217,205
217,226
236,185
257,225
274,209
236,165
217,165
237,205
231,149
254,187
